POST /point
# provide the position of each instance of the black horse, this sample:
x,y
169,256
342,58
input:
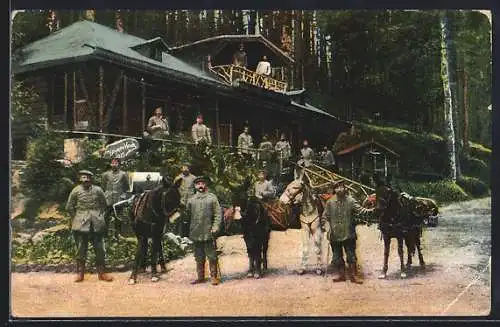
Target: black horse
x,y
149,214
256,226
397,220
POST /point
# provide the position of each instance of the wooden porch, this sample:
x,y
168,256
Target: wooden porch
x,y
231,74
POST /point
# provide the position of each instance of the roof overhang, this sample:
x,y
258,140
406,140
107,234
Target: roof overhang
x,y
235,39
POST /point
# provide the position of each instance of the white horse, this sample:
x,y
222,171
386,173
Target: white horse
x,y
297,192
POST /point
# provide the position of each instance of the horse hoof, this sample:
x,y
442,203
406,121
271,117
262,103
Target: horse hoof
x,y
131,281
301,271
403,275
382,276
319,272
256,276
154,279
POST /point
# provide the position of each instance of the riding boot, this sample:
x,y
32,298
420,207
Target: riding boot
x,y
80,271
200,271
339,275
354,274
214,272
102,275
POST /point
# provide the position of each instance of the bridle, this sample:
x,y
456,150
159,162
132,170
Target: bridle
x,y
162,204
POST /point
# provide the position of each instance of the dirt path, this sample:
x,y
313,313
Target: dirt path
x,y
451,267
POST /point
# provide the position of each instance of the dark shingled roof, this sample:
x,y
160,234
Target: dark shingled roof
x,y
85,39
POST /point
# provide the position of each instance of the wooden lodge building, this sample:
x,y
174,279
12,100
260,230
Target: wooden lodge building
x,y
91,77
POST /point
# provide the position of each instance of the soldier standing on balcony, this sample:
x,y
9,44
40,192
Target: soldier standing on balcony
x,y
240,57
263,67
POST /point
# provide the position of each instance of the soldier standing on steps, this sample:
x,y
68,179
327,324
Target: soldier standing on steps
x,y
204,210
86,206
114,183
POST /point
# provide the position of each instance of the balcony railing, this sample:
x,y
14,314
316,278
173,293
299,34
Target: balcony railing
x,y
231,74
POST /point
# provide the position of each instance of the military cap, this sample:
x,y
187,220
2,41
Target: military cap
x,y
201,179
85,172
337,183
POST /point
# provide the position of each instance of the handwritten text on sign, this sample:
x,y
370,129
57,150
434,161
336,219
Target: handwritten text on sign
x,y
122,149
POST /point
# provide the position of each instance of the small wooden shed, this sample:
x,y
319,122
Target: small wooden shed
x,y
367,158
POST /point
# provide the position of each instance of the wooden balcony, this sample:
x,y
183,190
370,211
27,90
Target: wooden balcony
x,y
231,74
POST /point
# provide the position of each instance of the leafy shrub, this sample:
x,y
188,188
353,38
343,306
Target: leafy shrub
x,y
473,186
59,248
43,178
478,168
442,191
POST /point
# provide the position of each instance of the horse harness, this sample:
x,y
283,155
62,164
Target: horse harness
x,y
145,198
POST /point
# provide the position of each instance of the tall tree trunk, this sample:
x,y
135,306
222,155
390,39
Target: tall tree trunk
x,y
448,99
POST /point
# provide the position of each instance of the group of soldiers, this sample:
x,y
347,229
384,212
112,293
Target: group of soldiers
x,y
90,207
158,127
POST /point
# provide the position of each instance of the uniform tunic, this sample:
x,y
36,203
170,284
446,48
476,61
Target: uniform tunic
x,y
200,132
307,155
263,189
114,184
266,149
158,126
245,142
327,158
186,189
342,215
86,207
205,213
285,149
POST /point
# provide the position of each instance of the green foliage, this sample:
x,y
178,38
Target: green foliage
x,y
24,121
442,191
476,168
473,186
43,179
480,151
59,248
418,152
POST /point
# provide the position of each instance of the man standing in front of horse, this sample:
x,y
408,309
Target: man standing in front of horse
x,y
205,212
114,183
86,205
342,212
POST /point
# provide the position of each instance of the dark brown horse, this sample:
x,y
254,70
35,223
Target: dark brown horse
x,y
149,214
397,220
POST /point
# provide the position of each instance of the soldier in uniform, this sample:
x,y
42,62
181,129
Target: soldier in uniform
x,y
186,191
86,205
263,189
283,148
342,212
240,57
327,159
114,183
265,150
158,125
306,159
200,132
205,212
245,142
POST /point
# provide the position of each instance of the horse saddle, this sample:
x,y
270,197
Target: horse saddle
x,y
140,206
